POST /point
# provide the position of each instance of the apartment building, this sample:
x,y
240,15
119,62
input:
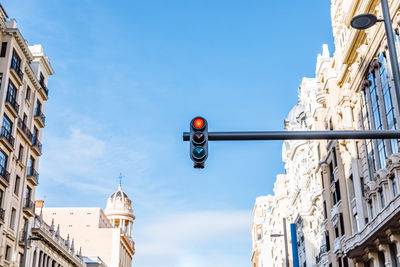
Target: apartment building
x,y
360,178
24,73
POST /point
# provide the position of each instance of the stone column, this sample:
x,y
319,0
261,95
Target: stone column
x,y
36,263
395,238
386,251
373,256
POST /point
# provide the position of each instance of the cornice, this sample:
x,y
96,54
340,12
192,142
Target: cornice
x,y
21,42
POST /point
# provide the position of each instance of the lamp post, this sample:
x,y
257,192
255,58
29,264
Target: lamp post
x,y
285,236
364,21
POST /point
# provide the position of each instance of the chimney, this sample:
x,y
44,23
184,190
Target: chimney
x,y
39,203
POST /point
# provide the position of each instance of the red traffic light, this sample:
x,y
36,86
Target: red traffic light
x,y
198,123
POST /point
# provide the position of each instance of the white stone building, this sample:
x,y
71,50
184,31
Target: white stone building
x,y
24,74
297,193
107,235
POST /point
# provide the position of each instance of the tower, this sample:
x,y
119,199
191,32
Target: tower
x,y
119,211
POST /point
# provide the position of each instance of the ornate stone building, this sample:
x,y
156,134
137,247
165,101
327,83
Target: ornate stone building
x,y
107,235
24,72
297,193
360,178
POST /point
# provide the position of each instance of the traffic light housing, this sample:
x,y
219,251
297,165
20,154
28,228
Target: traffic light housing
x,y
198,142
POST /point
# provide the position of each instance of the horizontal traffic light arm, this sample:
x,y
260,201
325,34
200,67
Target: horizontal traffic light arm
x,y
298,135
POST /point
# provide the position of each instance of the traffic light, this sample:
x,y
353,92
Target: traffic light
x,y
198,142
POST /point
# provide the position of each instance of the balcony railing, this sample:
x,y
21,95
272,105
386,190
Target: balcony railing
x,y
2,213
29,205
6,133
24,129
5,174
13,102
44,87
41,116
36,143
33,173
17,70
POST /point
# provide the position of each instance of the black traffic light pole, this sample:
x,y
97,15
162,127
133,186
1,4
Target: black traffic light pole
x,y
298,135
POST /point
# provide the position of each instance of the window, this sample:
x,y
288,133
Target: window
x,y
8,253
16,61
362,186
325,213
1,197
336,194
25,118
28,193
12,221
336,231
11,93
371,209
342,232
31,166
394,186
38,109
41,80
319,152
3,161
6,127
356,223
322,180
327,241
258,232
382,198
332,177
20,152
34,135
3,49
380,111
16,185
334,157
28,93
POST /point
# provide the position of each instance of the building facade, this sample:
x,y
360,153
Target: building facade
x,y
297,193
24,72
360,177
106,235
46,246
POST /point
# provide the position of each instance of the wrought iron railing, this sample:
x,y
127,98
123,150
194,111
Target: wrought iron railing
x,y
40,115
33,173
13,102
29,205
15,67
2,214
5,174
24,129
6,133
44,87
36,143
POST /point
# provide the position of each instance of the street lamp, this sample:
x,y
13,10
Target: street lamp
x,y
364,21
285,236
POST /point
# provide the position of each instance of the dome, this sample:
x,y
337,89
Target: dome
x,y
119,203
295,113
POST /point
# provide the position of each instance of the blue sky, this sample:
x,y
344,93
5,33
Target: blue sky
x,y
130,75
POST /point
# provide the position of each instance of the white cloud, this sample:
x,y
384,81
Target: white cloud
x,y
192,239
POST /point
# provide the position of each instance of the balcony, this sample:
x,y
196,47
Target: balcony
x,y
40,118
337,245
37,146
29,207
24,129
16,69
4,176
33,176
7,138
335,210
12,104
45,90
